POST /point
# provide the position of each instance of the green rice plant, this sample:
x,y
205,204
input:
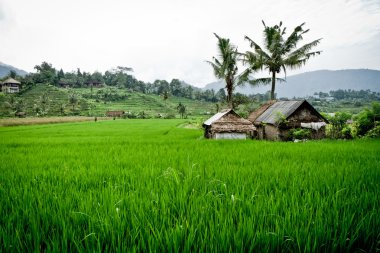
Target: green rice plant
x,y
156,185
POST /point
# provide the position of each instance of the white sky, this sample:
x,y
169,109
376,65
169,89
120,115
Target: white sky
x,y
165,39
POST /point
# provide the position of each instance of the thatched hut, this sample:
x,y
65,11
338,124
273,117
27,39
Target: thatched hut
x,y
275,119
228,125
10,86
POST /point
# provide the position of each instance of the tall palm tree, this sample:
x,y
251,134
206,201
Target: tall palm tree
x,y
281,53
225,66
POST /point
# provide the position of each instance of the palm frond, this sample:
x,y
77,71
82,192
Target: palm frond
x,y
260,81
299,57
243,78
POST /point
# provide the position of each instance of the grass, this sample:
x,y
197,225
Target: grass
x,y
155,185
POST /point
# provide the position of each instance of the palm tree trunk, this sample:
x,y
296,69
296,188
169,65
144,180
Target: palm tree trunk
x,y
273,85
229,93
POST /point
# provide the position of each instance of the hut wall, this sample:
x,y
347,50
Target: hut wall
x,y
230,136
260,132
303,115
318,134
208,133
271,133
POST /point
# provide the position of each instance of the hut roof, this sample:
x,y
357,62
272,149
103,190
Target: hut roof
x,y
12,81
269,114
253,116
216,117
229,121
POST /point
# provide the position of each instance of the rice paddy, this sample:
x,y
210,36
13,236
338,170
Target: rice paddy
x,y
155,185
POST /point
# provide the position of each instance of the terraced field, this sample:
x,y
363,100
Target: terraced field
x,y
89,105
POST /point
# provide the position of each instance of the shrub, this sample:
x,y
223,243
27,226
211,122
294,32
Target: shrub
x,y
129,115
281,120
373,133
169,116
347,132
299,133
337,123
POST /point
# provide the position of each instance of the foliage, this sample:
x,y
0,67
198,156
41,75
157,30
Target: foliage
x,y
280,53
169,116
181,110
42,105
354,94
127,186
347,132
73,100
299,134
46,73
366,119
117,78
281,120
338,122
374,132
225,67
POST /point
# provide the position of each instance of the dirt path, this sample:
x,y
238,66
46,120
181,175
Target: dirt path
x,y
48,120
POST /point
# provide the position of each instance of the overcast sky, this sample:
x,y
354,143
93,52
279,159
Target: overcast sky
x,y
165,39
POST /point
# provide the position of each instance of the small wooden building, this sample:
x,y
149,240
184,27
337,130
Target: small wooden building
x,y
94,83
10,86
228,125
115,114
275,119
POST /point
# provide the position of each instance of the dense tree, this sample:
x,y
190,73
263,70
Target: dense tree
x,y
73,100
181,110
12,74
221,95
367,119
45,73
338,121
225,66
175,87
280,53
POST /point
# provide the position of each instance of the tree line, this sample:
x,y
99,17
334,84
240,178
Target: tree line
x,y
119,77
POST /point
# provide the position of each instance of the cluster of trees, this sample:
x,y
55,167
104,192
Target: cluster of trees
x,y
120,77
364,124
352,94
278,54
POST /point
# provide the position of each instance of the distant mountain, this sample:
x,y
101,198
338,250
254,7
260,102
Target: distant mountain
x,y
5,69
307,83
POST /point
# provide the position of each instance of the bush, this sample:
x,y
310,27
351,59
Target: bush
x,y
169,116
373,133
299,133
129,115
347,132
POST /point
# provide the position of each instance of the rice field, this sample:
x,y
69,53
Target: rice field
x,y
157,185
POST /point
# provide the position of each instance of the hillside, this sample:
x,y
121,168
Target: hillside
x,y
94,103
306,84
5,69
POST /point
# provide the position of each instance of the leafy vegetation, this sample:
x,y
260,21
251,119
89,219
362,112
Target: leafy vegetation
x,y
226,67
127,186
344,125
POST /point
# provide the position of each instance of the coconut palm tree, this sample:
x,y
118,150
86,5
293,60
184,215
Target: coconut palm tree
x,y
280,53
225,66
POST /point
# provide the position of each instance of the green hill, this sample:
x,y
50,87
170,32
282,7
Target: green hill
x,y
97,101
